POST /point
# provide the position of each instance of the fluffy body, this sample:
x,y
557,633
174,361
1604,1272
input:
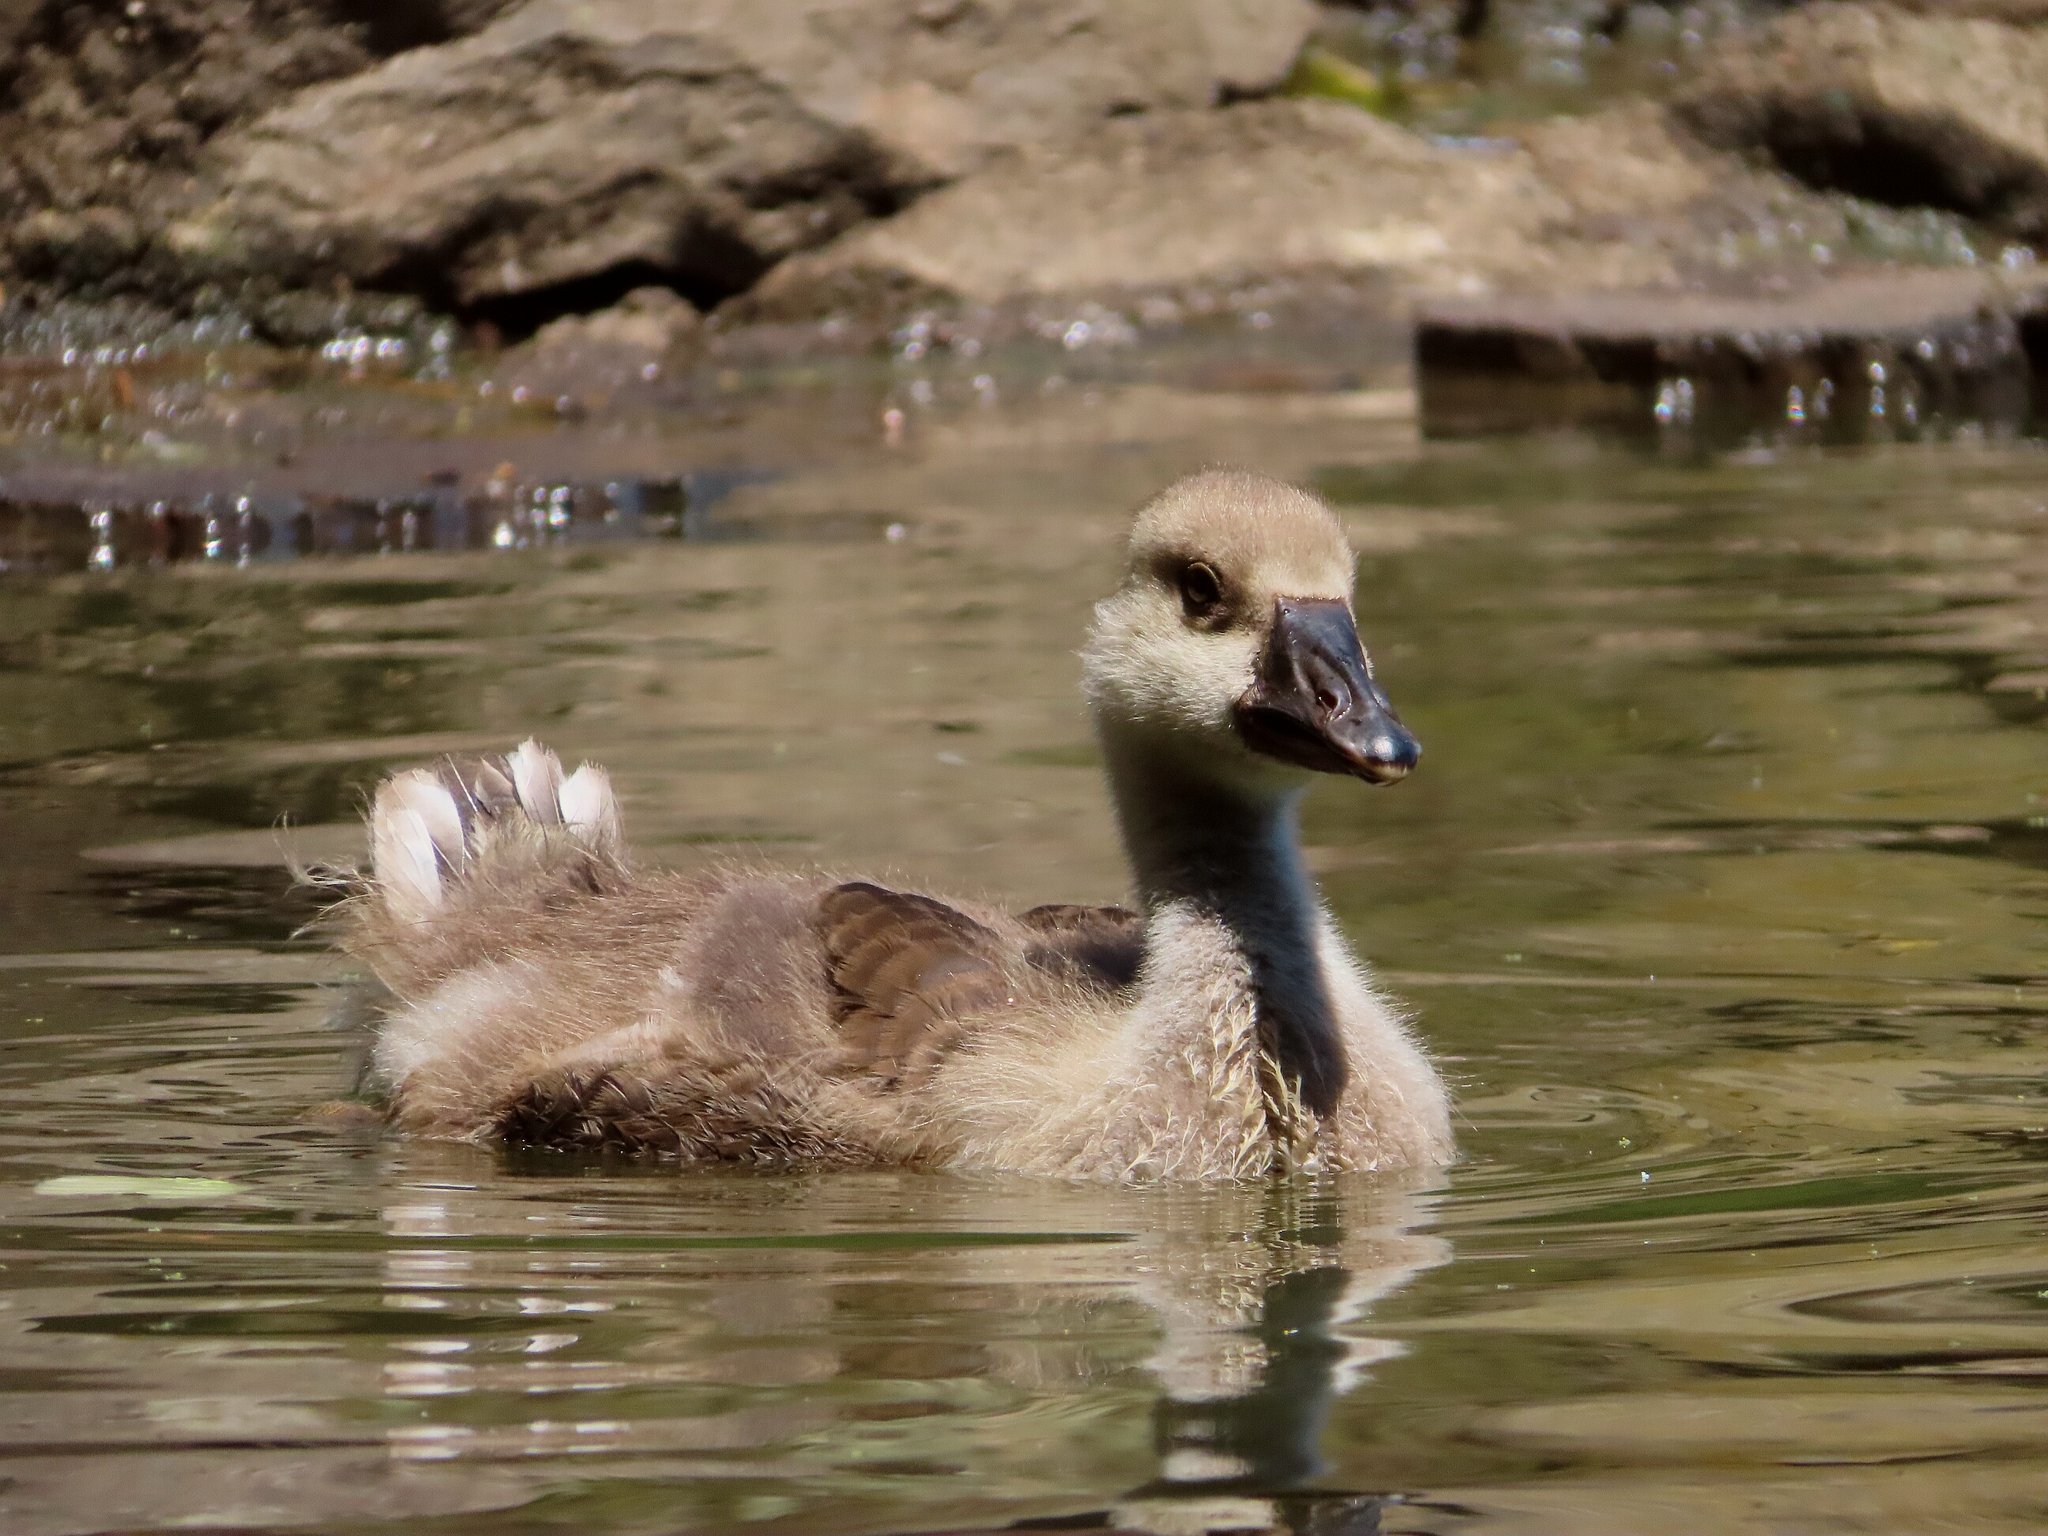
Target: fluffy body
x,y
542,990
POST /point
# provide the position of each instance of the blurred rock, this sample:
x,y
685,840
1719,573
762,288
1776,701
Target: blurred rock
x,y
1633,179
301,164
105,109
612,141
16,17
1897,107
2020,13
103,113
647,320
1172,199
1846,357
584,363
1268,189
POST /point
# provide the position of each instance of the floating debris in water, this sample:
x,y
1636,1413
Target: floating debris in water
x,y
88,1185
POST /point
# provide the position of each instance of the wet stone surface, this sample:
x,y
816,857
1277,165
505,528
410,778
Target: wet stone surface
x,y
1860,358
57,536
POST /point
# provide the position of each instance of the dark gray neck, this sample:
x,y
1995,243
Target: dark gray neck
x,y
1235,856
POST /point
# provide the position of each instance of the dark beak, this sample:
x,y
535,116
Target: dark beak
x,y
1315,704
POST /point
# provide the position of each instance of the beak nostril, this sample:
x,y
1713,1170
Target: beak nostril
x,y
1313,702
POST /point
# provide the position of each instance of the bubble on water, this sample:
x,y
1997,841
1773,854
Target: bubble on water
x,y
1674,405
245,530
103,557
914,340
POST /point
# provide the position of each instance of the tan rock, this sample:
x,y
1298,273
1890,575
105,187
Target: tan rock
x,y
1271,189
698,142
1897,107
1262,189
647,320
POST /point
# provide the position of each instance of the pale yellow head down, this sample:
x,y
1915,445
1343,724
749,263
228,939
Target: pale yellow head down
x,y
1274,538
1159,668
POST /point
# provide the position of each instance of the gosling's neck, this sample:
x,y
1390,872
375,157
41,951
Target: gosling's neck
x,y
1234,854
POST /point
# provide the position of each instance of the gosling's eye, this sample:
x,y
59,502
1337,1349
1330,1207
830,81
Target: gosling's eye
x,y
1201,592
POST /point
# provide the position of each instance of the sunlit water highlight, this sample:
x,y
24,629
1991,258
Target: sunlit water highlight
x,y
1720,891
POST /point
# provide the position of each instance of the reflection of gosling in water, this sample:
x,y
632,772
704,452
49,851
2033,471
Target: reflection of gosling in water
x,y
544,991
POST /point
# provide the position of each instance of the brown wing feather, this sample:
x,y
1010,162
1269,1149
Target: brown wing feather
x,y
910,975
906,971
1101,946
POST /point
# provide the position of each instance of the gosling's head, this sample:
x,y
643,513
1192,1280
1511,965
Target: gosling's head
x,y
1231,644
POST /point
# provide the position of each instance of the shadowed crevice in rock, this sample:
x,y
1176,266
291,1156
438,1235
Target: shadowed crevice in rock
x,y
1911,110
519,316
1904,159
389,29
2034,340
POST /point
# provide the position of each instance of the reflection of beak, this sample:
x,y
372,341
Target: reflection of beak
x,y
1315,704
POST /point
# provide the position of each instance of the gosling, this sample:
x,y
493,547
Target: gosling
x,y
538,988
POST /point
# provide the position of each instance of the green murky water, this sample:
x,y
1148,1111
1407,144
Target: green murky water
x,y
1721,891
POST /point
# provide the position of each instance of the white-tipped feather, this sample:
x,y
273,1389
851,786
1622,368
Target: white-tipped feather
x,y
422,842
492,789
590,809
402,856
537,779
428,797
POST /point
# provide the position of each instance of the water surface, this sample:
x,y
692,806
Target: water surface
x,y
1720,892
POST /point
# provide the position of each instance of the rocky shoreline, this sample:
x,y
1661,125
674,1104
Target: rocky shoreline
x,y
631,182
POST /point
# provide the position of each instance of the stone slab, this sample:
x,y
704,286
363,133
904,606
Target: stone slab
x,y
1887,348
